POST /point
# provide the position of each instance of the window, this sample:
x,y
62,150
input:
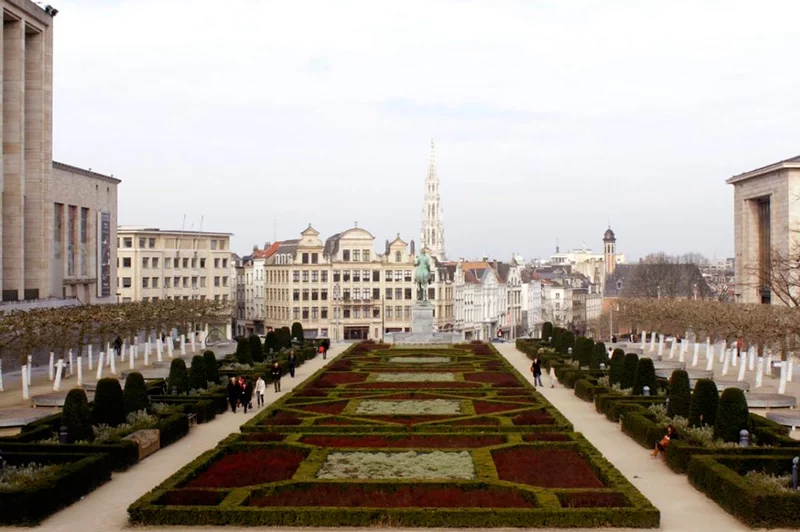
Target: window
x,y
398,312
388,276
213,244
305,294
398,293
365,276
324,313
431,293
356,255
176,282
216,263
408,312
306,258
389,313
194,282
142,241
167,282
145,299
388,293
346,313
346,255
365,255
186,282
407,293
296,276
225,280
216,280
305,276
154,282
376,312
314,313
296,294
376,293
356,276
126,262
194,263
398,257
315,295
305,313
203,282
324,276
337,276
84,236
127,242
145,282
72,214
346,294
398,276
186,263
224,263
151,242
315,276
145,262
202,263
407,276
155,262
324,294
126,282
315,258
376,276
346,276
168,262
356,293
356,312
296,313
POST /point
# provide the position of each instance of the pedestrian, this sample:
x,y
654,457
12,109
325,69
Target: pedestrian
x,y
118,345
247,395
261,388
739,347
275,372
536,369
234,391
292,362
661,446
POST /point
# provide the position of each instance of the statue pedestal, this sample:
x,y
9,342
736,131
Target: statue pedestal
x,y
422,329
422,318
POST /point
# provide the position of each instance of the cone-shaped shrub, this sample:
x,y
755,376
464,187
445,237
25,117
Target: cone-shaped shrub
x,y
732,415
645,376
109,403
629,370
212,368
197,373
680,394
583,351
547,330
618,350
567,342
271,343
297,331
705,401
178,378
77,417
135,394
243,353
617,371
599,356
256,349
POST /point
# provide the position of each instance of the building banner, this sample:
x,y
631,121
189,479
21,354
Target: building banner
x,y
104,254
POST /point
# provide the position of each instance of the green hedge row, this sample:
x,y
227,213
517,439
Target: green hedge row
x,y
173,428
30,505
122,454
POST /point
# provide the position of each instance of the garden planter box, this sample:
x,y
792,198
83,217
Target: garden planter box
x,y
146,440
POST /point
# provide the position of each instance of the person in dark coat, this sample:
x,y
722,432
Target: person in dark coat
x,y
118,345
247,395
234,392
536,369
275,372
292,362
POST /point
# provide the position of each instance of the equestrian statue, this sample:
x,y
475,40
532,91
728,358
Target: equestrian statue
x,y
422,275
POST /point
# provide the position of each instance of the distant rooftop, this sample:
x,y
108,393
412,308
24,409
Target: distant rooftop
x,y
143,229
88,173
793,162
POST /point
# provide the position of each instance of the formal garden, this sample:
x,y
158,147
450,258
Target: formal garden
x,y
742,461
415,437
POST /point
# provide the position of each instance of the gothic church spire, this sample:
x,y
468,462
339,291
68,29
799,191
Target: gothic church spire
x,y
432,215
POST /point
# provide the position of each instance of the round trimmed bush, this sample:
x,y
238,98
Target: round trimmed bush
x,y
197,374
567,342
271,343
135,393
629,370
243,353
704,404
680,394
297,331
583,351
212,368
256,349
645,376
77,417
599,356
732,415
617,370
109,403
178,378
547,330
618,350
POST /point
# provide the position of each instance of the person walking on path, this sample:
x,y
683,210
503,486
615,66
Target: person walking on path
x,y
275,372
536,369
118,345
261,388
292,362
234,391
247,395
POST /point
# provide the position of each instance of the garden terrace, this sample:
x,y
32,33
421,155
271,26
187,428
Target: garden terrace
x,y
411,450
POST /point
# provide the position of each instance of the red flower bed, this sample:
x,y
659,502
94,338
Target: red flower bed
x,y
262,436
486,407
415,385
407,420
310,392
493,365
502,380
519,393
411,396
546,468
326,408
251,467
546,436
593,499
335,421
190,497
282,418
341,365
393,496
343,377
440,441
534,417
474,422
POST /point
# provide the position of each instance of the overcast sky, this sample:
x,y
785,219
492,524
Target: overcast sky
x,y
550,118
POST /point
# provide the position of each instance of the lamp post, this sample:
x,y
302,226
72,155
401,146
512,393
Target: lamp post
x,y
336,309
383,319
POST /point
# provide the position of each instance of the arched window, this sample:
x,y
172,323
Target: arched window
x,y
397,256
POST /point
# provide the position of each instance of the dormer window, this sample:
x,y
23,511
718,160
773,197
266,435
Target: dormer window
x,y
398,256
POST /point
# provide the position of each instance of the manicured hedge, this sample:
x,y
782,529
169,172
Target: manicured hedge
x,y
173,428
122,454
79,475
642,429
680,453
587,388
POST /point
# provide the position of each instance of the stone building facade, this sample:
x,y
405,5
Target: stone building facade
x,y
766,220
156,264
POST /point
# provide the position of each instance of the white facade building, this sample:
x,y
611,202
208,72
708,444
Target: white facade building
x,y
532,304
481,303
557,302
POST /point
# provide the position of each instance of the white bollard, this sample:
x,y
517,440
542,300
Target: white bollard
x,y
742,368
100,365
644,340
89,353
203,340
768,365
80,371
146,349
652,341
131,359
682,351
183,345
790,369
759,372
170,347
726,360
50,367
59,373
24,376
784,375
147,356
734,356
696,354
28,373
71,372
710,363
121,352
2,389
672,349
113,364
192,339
709,352
159,350
751,354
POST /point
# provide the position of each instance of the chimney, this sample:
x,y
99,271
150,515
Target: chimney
x,y
266,245
255,247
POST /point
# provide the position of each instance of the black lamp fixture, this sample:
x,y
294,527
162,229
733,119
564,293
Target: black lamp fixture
x,y
50,10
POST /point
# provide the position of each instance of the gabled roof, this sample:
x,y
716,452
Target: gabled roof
x,y
793,162
268,252
331,245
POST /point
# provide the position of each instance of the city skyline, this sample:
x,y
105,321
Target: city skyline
x,y
550,120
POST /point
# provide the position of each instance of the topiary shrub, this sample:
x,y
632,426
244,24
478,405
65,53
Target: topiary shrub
x,y
77,417
732,415
645,376
618,350
109,403
178,380
243,353
583,351
567,342
135,393
547,331
271,343
598,356
704,403
212,368
197,374
617,371
680,394
629,370
297,331
256,349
